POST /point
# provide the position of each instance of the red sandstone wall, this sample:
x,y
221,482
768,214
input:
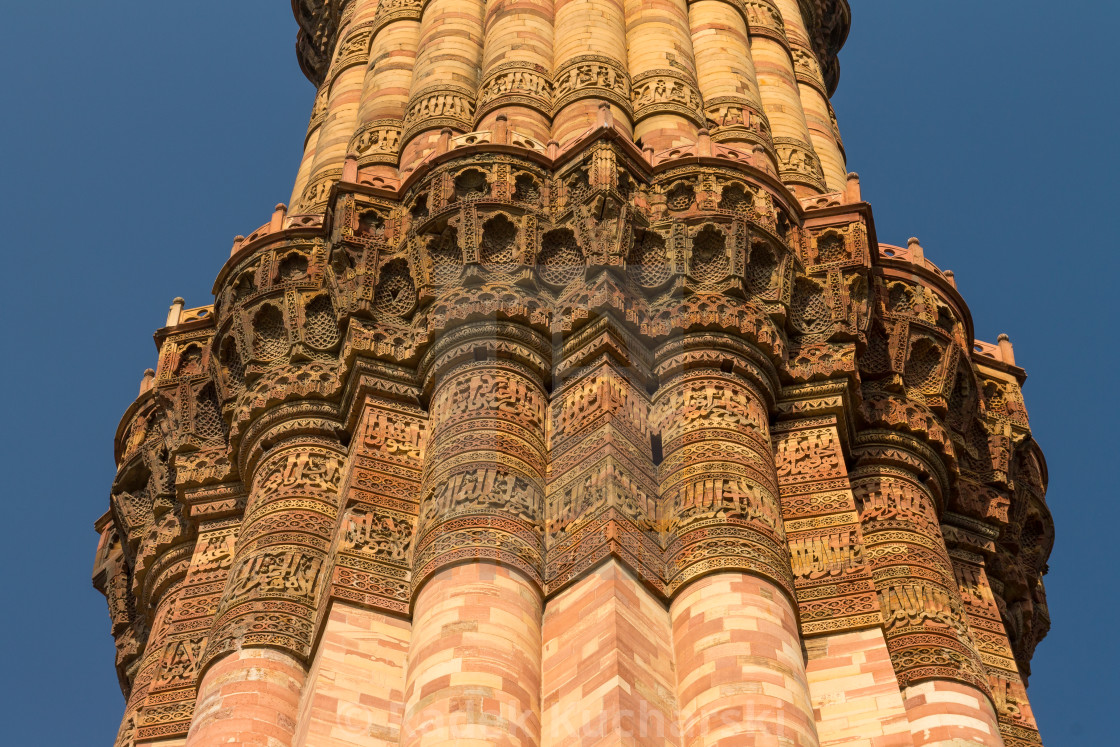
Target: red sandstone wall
x,y
608,676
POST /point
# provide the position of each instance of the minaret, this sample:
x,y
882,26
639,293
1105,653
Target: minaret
x,y
573,400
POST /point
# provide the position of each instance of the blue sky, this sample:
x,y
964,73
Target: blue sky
x,y
141,137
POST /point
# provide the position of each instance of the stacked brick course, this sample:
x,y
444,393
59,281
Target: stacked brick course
x,y
575,401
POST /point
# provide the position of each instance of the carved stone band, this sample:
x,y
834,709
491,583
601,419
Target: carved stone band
x,y
737,118
317,192
666,92
483,490
377,142
318,111
764,19
806,68
798,162
272,588
515,84
437,107
389,11
923,615
592,76
352,50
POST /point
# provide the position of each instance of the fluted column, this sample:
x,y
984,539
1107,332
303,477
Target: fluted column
x,y
667,105
355,686
250,698
589,66
517,68
734,611
445,79
726,74
475,658
851,680
798,163
388,79
310,140
344,85
898,484
740,667
607,638
968,542
263,628
823,131
150,674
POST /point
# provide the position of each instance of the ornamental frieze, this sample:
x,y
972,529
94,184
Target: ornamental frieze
x,y
353,49
737,119
377,142
798,163
588,76
764,18
298,473
289,574
665,91
829,555
484,490
514,83
444,106
389,11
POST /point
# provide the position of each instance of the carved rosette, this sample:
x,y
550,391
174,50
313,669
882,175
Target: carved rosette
x,y
274,581
898,489
666,92
591,76
719,490
516,84
440,106
482,496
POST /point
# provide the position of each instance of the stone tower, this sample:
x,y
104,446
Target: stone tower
x,y
574,401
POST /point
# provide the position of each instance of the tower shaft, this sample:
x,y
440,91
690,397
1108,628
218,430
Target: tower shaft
x,y
573,400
